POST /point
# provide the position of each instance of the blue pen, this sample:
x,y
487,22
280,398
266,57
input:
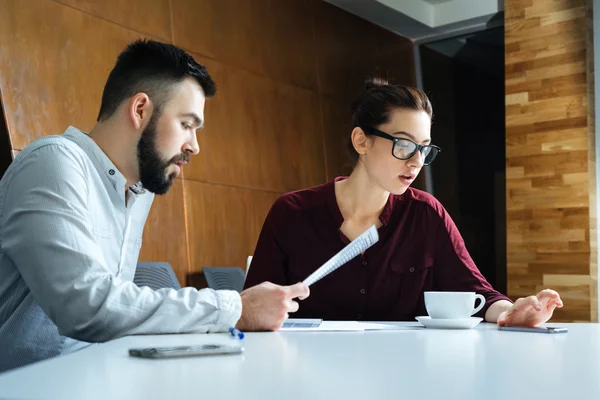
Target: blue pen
x,y
236,333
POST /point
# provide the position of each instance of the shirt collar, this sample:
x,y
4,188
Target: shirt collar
x,y
386,213
101,161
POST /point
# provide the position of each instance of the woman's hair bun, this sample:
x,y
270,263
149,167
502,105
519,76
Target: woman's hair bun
x,y
375,82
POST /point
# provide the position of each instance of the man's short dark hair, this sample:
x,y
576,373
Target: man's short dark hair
x,y
153,68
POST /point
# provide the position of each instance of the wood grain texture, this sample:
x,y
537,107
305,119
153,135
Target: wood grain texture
x,y
54,61
148,17
223,223
270,37
592,162
550,219
266,132
349,49
337,127
165,236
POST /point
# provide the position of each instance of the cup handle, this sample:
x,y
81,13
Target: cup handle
x,y
481,303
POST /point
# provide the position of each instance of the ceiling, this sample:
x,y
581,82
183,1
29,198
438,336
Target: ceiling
x,y
424,21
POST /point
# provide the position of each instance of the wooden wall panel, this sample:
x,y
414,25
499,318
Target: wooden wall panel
x,y
592,163
54,61
266,132
223,223
349,49
285,70
149,17
271,38
165,236
337,126
548,151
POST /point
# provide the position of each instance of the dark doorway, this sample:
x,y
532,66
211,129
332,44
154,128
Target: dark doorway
x,y
464,77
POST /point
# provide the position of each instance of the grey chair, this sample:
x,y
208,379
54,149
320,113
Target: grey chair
x,y
155,275
224,278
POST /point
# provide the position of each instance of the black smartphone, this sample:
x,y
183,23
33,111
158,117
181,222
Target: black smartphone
x,y
536,329
186,351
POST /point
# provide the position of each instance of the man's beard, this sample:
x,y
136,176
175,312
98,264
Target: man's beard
x,y
152,167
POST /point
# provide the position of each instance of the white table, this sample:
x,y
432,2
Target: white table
x,y
482,363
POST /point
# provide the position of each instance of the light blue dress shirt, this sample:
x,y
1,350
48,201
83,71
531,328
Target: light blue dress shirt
x,y
69,244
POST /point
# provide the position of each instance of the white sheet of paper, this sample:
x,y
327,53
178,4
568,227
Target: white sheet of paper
x,y
367,239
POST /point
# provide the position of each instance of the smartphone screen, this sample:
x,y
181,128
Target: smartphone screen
x,y
536,329
186,351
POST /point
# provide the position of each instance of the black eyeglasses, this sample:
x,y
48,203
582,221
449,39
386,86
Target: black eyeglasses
x,y
405,149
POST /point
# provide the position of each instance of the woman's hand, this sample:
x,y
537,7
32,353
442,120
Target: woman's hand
x,y
531,311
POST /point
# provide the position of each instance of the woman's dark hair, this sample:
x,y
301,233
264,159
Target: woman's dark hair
x,y
373,106
154,68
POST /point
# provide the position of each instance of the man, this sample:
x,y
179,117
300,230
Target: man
x,y
72,213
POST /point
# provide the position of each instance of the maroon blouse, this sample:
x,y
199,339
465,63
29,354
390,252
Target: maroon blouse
x,y
419,249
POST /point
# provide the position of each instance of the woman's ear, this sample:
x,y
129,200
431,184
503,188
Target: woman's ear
x,y
360,140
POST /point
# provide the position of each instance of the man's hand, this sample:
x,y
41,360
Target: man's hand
x,y
265,307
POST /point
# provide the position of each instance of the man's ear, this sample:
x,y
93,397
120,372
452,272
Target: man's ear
x,y
140,110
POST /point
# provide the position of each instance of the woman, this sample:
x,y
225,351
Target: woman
x,y
419,247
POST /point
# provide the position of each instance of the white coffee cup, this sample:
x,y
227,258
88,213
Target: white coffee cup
x,y
450,305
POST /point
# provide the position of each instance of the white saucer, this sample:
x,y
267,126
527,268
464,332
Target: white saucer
x,y
456,323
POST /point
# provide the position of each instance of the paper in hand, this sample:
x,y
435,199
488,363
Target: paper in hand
x,y
367,239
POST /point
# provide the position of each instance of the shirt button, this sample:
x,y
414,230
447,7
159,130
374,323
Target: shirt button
x,y
111,171
363,291
364,262
358,316
412,269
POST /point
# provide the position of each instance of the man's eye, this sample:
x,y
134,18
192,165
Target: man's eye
x,y
186,126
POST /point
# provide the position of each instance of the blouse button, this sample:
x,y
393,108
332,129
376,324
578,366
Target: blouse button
x,y
412,269
363,291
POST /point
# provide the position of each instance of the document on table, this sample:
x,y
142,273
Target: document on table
x,y
312,325
367,239
291,323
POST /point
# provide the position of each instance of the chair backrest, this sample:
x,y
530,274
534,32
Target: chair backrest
x,y
248,262
155,275
224,278
6,148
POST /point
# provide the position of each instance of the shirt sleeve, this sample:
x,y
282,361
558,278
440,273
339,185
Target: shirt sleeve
x,y
454,267
46,232
269,261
